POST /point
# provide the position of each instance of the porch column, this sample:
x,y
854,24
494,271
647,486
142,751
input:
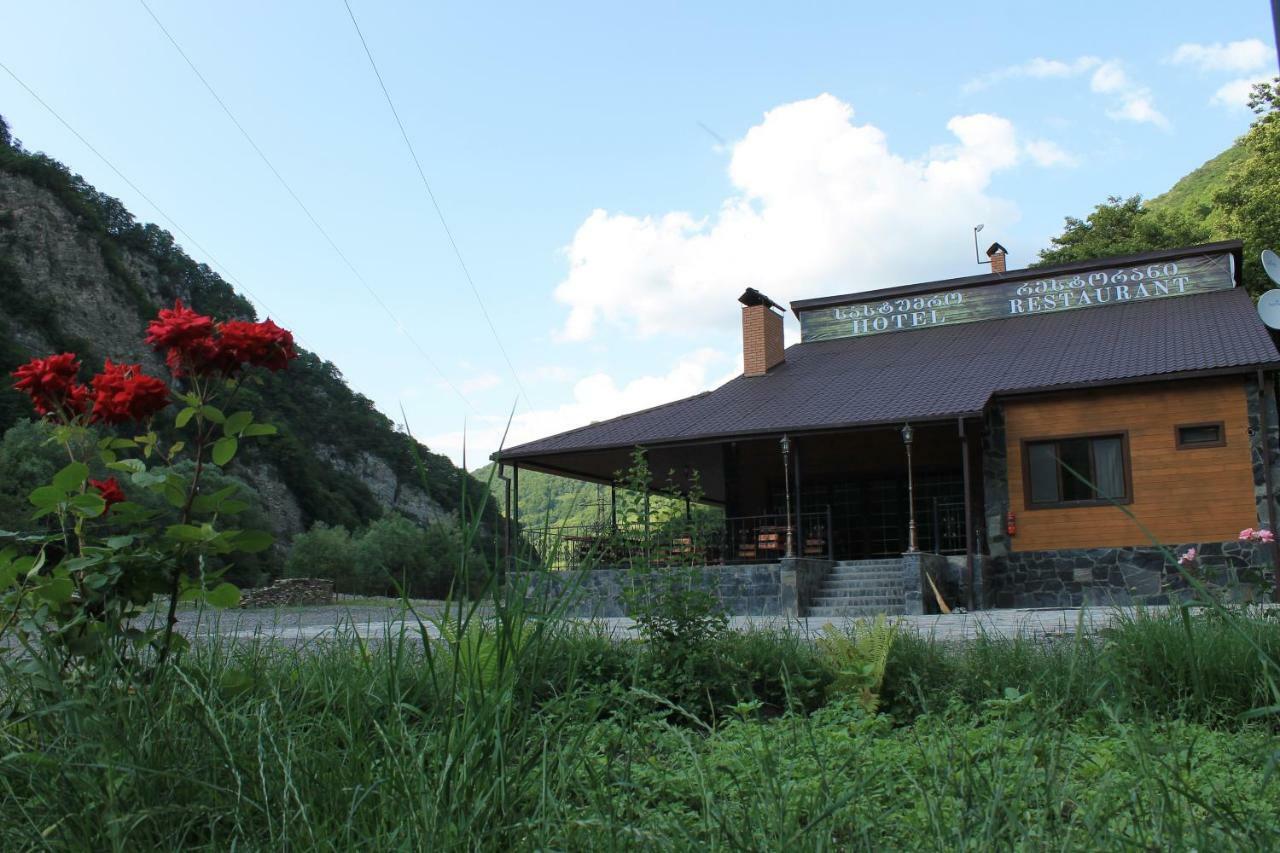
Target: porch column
x,y
799,546
507,555
515,500
971,594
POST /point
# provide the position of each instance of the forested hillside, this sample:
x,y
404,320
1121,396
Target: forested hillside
x,y
79,273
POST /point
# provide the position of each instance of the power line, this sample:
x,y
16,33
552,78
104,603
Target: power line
x,y
315,222
436,204
122,176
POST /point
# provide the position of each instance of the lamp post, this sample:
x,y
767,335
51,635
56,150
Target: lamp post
x,y
786,470
907,435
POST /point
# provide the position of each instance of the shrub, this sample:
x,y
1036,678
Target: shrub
x,y
323,552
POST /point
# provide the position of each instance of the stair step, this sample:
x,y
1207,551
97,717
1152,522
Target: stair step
x,y
853,574
844,580
857,601
865,589
855,612
857,563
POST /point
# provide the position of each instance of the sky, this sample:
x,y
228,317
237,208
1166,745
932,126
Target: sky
x,y
611,175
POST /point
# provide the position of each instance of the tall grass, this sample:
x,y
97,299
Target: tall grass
x,y
528,733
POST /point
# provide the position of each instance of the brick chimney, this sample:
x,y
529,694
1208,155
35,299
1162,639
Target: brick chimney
x,y
761,333
997,254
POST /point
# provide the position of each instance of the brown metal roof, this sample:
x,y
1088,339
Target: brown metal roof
x,y
947,371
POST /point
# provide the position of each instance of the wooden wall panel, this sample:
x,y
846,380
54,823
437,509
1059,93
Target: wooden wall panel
x,y
1199,495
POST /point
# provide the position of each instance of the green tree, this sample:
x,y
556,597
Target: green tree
x,y
1122,226
1250,200
324,552
29,457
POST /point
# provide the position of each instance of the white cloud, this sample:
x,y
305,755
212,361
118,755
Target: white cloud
x,y
595,397
1238,56
1131,101
821,205
1235,94
1046,153
1038,68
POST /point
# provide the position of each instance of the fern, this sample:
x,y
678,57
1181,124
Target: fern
x,y
858,658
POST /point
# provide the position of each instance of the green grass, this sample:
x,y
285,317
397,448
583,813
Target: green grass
x,y
533,734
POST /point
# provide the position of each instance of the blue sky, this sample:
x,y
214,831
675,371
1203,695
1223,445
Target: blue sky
x,y
614,174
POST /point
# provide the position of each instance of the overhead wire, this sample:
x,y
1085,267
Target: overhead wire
x,y
307,211
122,176
435,203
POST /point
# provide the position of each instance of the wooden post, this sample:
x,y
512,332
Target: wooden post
x,y
508,555
515,500
971,598
613,505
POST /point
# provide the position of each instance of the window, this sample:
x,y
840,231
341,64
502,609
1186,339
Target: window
x,y
1192,436
1076,471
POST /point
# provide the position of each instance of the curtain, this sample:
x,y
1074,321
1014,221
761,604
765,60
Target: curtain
x,y
1108,467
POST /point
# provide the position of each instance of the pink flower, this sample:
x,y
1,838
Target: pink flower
x,y
1265,536
1246,534
1189,558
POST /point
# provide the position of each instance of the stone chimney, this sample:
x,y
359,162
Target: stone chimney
x,y
997,254
761,333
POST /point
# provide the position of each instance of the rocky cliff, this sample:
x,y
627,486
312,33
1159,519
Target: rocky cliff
x,y
77,272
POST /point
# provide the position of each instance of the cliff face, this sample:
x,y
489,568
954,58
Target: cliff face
x,y
77,273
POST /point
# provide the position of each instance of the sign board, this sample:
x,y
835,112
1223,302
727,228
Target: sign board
x,y
1022,298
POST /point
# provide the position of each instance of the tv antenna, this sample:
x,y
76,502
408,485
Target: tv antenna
x,y
1269,302
977,256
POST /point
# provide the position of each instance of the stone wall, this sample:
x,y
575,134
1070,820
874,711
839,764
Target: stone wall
x,y
1266,515
995,483
801,581
917,596
1069,578
748,590
289,592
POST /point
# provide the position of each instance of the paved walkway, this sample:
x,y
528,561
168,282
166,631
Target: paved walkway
x,y
301,624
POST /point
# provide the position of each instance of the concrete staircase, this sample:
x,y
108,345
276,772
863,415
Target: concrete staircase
x,y
859,588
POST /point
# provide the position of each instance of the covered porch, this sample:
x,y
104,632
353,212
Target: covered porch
x,y
846,495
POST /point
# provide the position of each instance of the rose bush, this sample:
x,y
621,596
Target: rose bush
x,y
75,591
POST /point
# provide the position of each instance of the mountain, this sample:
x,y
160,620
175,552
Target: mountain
x,y
1193,195
79,273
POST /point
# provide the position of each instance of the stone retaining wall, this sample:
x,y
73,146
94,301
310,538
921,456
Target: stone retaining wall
x,y
289,592
758,589
1069,578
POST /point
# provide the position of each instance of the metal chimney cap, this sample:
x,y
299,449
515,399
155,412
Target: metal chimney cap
x,y
752,297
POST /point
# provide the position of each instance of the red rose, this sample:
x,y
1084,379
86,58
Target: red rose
x,y
257,344
122,392
188,338
110,491
178,326
51,384
204,357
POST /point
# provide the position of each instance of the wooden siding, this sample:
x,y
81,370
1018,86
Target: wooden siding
x,y
1199,495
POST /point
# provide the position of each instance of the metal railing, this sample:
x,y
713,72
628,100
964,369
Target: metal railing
x,y
743,539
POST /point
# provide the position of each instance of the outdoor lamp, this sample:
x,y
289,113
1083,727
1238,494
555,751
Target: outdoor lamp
x,y
911,492
785,442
